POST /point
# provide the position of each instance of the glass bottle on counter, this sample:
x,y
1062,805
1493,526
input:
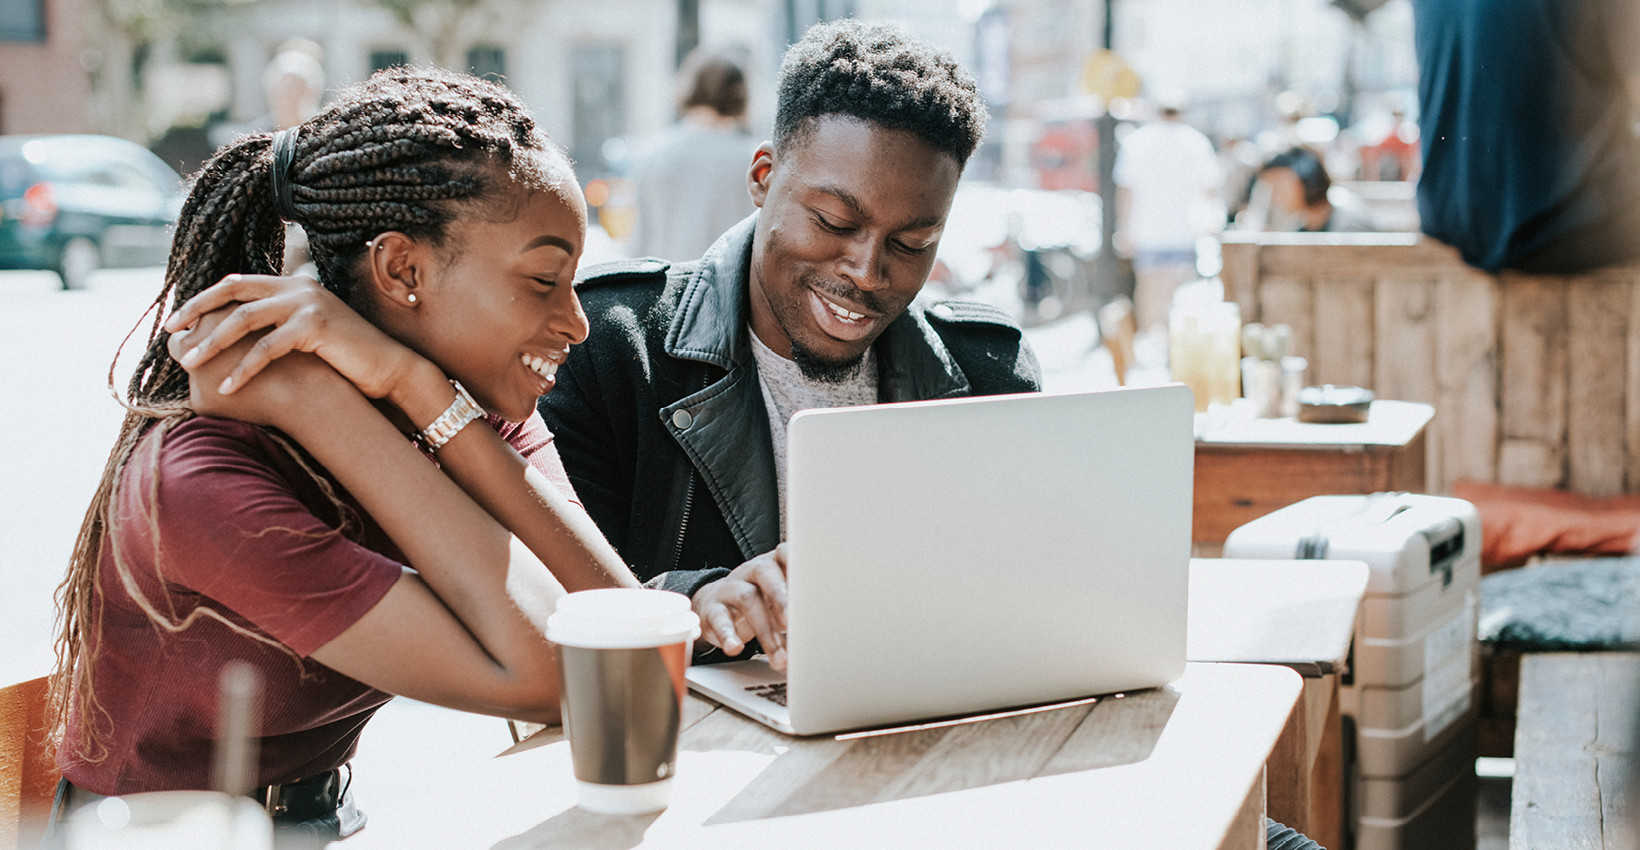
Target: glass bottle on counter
x,y
1204,349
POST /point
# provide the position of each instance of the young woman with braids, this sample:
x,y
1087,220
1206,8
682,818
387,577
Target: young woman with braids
x,y
265,505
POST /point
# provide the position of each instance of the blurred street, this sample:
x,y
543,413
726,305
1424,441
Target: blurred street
x,y
59,344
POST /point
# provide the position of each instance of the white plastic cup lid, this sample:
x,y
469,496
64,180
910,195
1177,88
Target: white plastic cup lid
x,y
622,618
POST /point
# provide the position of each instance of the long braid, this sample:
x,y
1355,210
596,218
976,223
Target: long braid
x,y
409,150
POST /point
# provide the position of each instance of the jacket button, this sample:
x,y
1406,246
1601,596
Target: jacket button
x,y
681,419
944,311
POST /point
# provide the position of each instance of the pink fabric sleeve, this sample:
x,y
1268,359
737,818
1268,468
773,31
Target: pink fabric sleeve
x,y
233,529
534,441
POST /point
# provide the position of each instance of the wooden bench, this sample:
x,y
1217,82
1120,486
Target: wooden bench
x,y
1535,379
1574,745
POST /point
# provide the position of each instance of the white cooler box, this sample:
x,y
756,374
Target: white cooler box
x,y
1432,808
1414,672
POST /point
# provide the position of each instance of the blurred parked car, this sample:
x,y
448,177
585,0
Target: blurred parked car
x,y
75,204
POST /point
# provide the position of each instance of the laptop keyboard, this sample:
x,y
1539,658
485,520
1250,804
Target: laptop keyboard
x,y
775,692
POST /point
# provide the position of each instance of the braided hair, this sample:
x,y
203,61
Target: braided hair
x,y
409,150
878,73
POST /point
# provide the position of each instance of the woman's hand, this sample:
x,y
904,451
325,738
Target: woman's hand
x,y
288,385
303,317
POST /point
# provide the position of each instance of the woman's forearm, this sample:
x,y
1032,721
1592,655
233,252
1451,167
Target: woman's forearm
x,y
501,596
557,530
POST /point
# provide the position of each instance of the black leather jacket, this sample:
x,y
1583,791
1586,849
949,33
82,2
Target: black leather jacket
x,y
660,420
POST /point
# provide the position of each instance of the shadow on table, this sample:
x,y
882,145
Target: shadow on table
x,y
827,774
580,829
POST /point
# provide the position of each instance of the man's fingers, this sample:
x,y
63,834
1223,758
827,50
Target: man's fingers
x,y
771,585
753,611
720,629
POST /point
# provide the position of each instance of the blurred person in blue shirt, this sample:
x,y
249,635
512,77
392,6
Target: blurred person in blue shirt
x,y
1531,161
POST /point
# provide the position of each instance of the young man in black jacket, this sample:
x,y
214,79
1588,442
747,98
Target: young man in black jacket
x,y
671,418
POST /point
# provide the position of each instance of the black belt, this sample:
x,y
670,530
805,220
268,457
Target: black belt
x,y
316,796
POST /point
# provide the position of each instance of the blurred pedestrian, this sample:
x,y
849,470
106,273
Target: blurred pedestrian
x,y
691,187
1527,123
1167,195
1239,162
1395,156
1291,193
293,89
294,83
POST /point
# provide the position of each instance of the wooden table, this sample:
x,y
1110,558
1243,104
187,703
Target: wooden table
x,y
1574,749
1246,468
1179,767
1300,615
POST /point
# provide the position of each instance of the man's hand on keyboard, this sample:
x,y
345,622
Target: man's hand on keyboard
x,y
749,602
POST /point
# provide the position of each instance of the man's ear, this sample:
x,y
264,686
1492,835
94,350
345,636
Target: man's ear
x,y
757,179
395,275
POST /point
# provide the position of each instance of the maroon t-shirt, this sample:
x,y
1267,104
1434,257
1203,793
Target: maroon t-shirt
x,y
239,527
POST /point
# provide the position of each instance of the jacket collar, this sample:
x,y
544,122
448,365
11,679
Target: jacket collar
x,y
710,322
916,365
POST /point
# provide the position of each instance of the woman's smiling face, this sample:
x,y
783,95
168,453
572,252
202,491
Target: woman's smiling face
x,y
497,310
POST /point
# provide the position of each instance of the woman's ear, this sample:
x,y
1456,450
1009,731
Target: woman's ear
x,y
394,260
757,179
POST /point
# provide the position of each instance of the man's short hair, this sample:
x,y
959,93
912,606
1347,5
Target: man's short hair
x,y
1311,171
714,80
878,73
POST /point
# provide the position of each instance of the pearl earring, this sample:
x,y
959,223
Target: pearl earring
x,y
411,298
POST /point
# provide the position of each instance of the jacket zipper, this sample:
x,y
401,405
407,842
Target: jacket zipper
x,y
699,381
683,521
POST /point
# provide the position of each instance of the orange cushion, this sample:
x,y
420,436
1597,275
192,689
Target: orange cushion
x,y
1519,522
28,772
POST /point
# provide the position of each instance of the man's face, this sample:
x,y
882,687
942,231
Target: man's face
x,y
851,217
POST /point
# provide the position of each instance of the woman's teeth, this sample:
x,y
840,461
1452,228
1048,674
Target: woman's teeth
x,y
539,365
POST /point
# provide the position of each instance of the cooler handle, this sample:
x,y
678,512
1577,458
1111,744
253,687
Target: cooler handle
x,y
1445,539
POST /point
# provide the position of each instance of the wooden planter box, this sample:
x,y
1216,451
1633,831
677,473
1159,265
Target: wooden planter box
x,y
1535,379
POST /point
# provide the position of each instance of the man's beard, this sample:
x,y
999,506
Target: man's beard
x,y
817,368
810,363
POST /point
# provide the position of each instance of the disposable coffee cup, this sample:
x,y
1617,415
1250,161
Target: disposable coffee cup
x,y
622,656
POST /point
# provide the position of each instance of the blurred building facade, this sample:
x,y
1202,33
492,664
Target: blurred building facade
x,y
590,74
43,84
1240,68
599,75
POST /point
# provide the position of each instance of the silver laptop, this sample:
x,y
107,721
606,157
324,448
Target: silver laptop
x,y
965,556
